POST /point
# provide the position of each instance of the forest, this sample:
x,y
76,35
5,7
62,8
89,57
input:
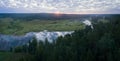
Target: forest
x,y
102,43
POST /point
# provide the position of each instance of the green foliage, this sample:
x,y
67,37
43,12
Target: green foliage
x,y
32,46
12,26
9,26
8,56
98,44
102,43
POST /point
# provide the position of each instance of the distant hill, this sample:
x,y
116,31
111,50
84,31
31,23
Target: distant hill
x,y
52,16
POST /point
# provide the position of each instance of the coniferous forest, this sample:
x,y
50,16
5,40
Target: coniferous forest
x,y
59,30
100,43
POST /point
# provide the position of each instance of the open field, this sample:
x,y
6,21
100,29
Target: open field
x,y
10,26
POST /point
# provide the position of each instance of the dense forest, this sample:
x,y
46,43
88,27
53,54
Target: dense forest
x,y
102,43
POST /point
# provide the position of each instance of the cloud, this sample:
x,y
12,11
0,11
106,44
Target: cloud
x,y
65,6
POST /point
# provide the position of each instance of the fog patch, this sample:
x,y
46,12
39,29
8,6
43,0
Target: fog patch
x,y
88,23
50,36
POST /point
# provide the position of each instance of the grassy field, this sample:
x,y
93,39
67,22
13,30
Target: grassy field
x,y
8,56
10,26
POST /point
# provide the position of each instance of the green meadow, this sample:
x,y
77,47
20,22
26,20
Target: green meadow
x,y
11,26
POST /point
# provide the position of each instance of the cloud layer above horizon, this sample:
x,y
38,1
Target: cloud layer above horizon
x,y
63,6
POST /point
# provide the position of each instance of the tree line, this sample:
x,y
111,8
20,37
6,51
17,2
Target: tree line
x,y
102,43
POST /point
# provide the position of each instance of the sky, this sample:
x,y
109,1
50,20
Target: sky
x,y
61,6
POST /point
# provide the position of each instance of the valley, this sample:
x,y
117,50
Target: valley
x,y
20,27
65,38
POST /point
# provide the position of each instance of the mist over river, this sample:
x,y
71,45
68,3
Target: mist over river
x,y
8,41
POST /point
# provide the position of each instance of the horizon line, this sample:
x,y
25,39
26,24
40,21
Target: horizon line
x,y
61,13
